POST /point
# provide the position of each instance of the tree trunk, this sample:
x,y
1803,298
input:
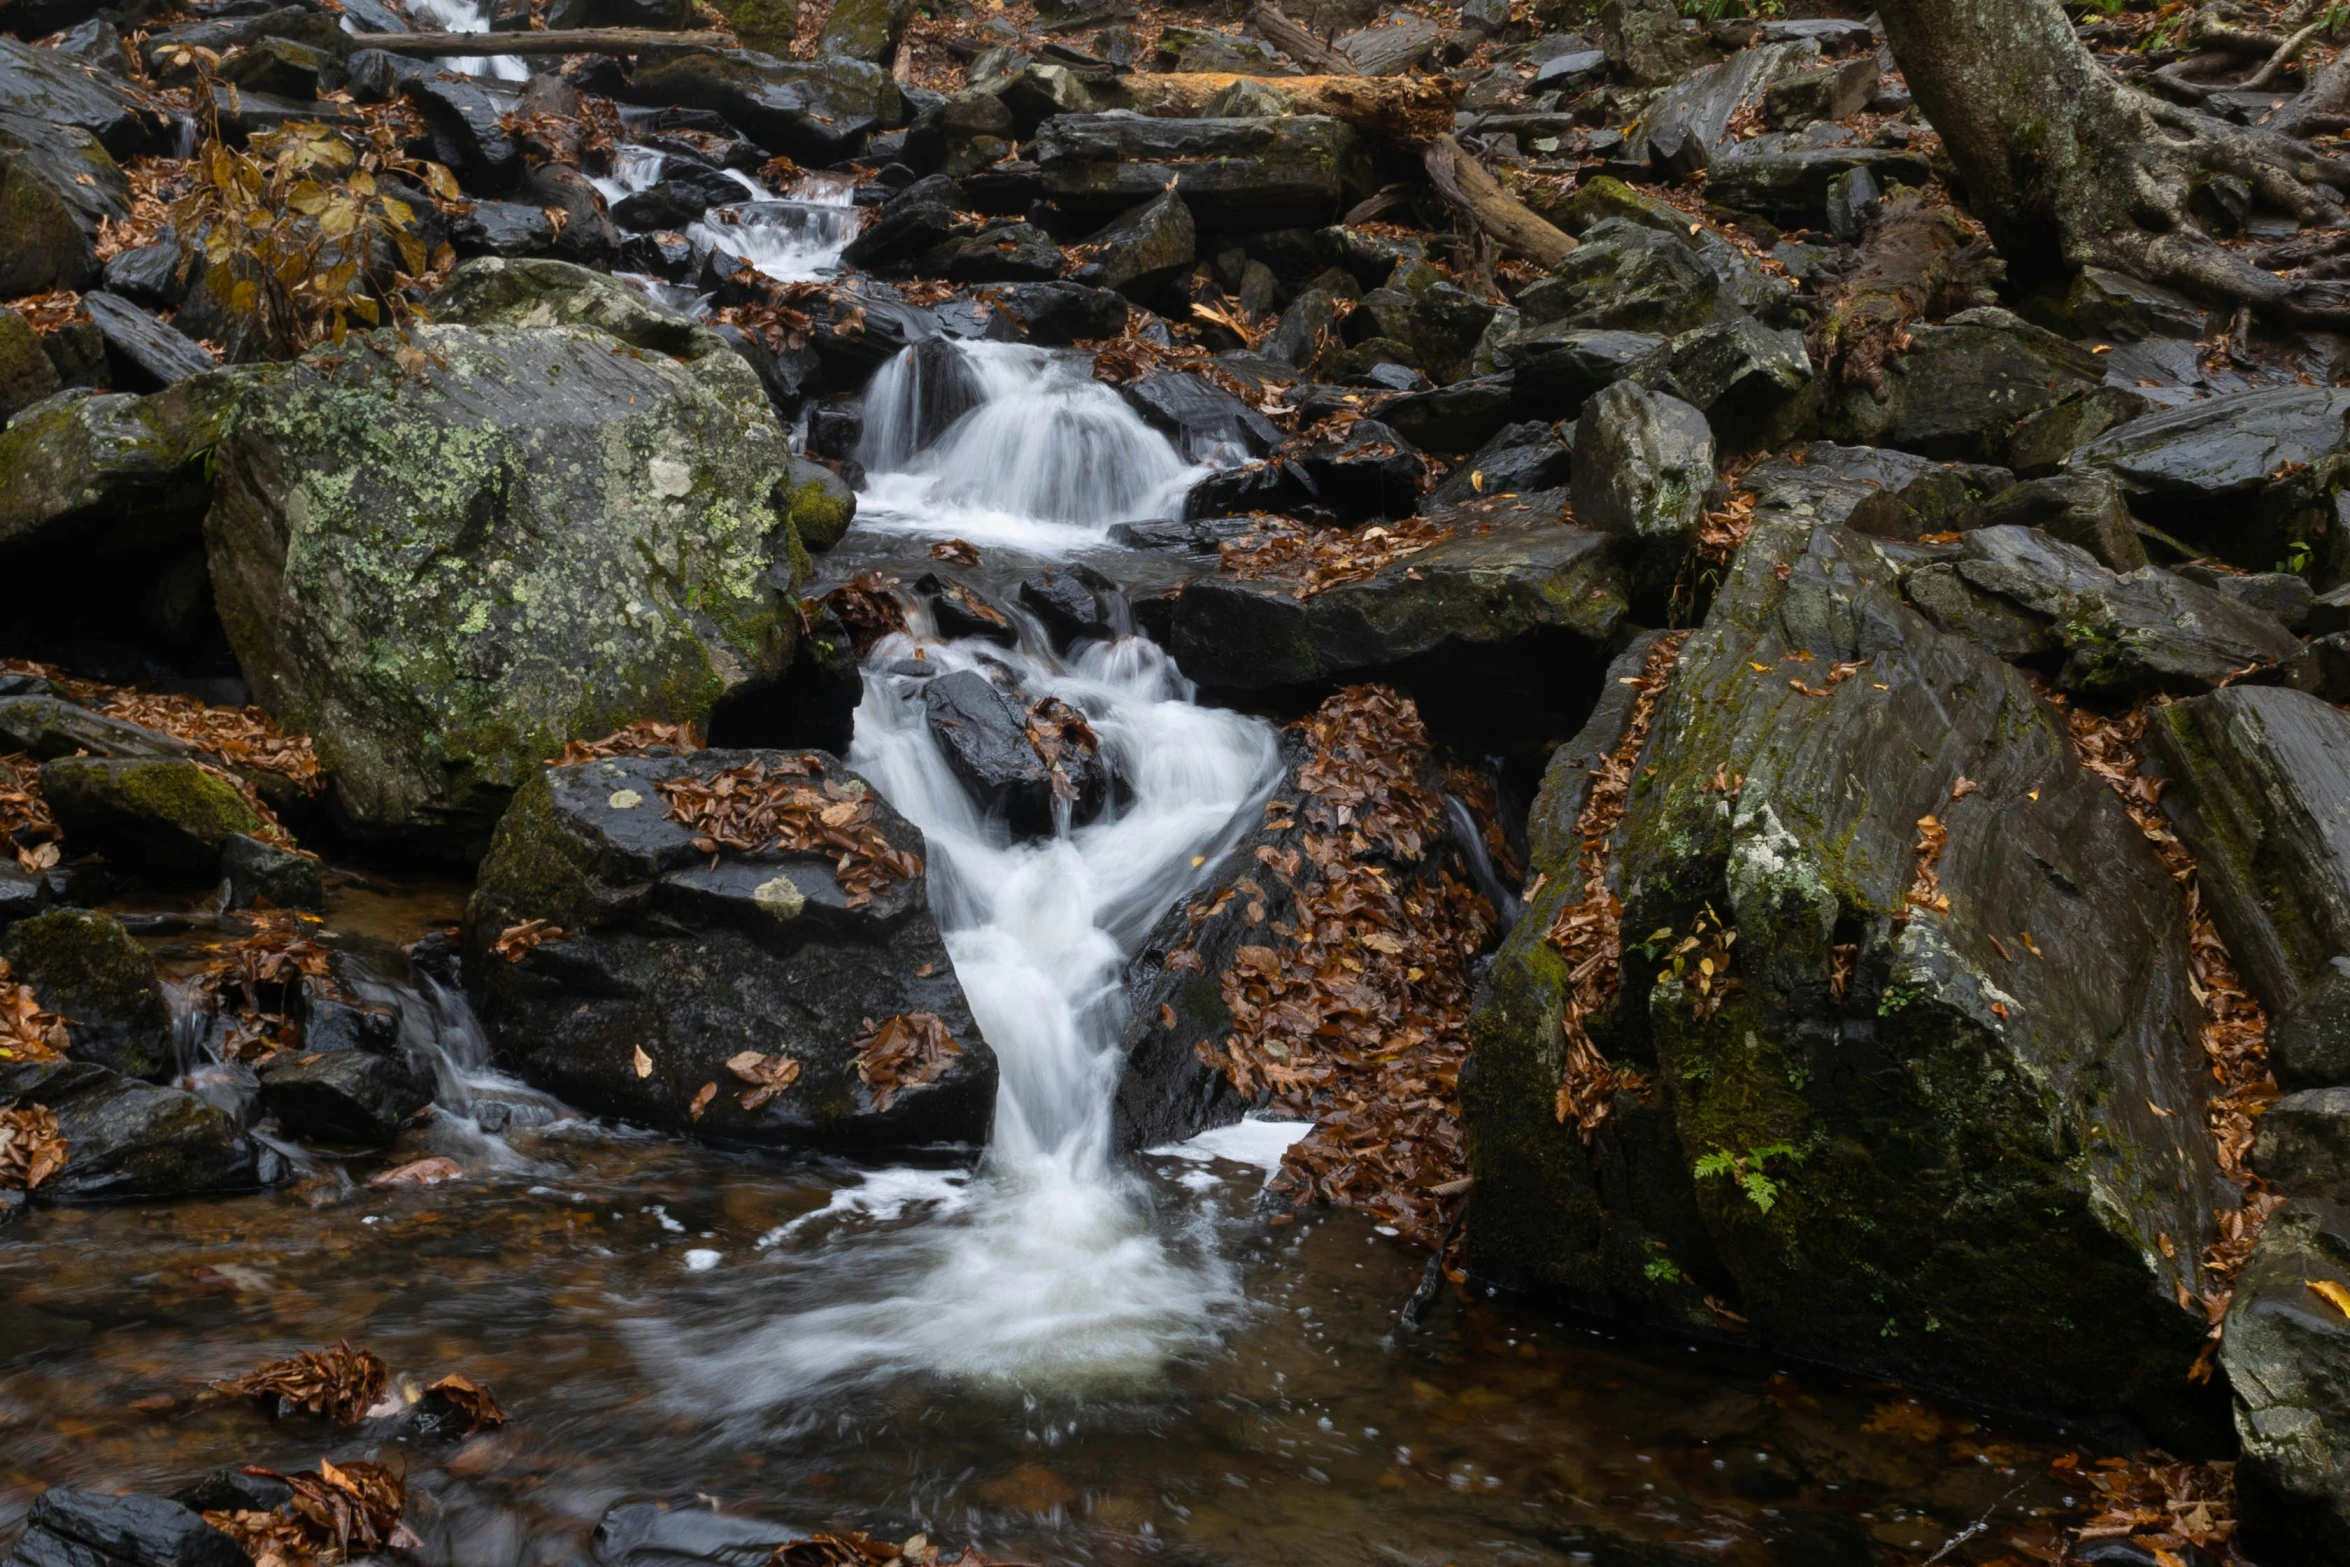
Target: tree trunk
x,y
2066,167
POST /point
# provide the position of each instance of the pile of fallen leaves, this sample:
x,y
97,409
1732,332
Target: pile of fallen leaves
x,y
1059,734
2235,1028
31,1150
337,1513
788,806
904,1052
1309,560
517,942
1588,933
869,608
1356,1013
257,980
2154,1501
1131,356
26,1032
645,737
856,1548
341,1383
26,827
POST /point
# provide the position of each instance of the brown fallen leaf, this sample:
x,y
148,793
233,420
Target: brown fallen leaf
x,y
903,1052
30,1148
418,1172
470,1399
643,1063
341,1383
2332,1294
517,942
702,1098
956,552
768,1076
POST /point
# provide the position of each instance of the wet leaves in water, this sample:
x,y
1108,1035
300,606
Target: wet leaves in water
x,y
1058,731
867,605
337,1513
517,942
418,1172
955,552
341,1383
257,980
859,1549
788,806
646,737
475,1403
905,1052
30,1149
26,1032
2158,1502
768,1076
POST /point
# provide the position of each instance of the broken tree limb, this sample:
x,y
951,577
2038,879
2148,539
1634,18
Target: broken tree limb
x,y
1462,181
1400,110
1915,261
1300,45
574,40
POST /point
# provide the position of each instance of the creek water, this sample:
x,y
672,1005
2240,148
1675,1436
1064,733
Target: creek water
x,y
1055,1353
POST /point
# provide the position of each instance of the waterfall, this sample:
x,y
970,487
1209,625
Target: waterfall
x,y
465,16
1022,445
791,238
1047,1267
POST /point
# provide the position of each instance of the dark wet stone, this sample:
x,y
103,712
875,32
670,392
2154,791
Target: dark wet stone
x,y
1520,460
1626,276
1006,253
86,968
1141,251
1872,489
1752,383
2286,1355
1784,180
1644,470
1437,319
1054,315
2304,1144
984,732
127,1139
2309,1041
907,224
145,354
1686,127
22,895
1201,418
1235,176
1074,603
1963,386
53,92
466,120
160,816
811,111
1199,536
343,1096
258,872
47,727
71,1528
2283,596
692,964
683,193
2085,509
502,228
962,611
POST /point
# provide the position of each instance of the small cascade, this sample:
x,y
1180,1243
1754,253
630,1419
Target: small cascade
x,y
634,168
465,16
793,237
473,1101
1482,871
1021,445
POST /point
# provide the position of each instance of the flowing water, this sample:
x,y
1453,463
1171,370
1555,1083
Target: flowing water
x,y
1055,1353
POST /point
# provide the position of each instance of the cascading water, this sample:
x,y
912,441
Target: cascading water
x,y
1048,1266
465,16
793,237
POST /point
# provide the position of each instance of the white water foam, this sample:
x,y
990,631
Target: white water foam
x,y
792,237
465,16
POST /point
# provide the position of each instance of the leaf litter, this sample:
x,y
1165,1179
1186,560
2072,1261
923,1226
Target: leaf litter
x,y
905,1051
1309,560
338,1512
341,1383
786,806
30,1148
26,1032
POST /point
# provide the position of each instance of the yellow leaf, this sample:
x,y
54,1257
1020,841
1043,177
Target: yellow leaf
x,y
644,1063
2333,1294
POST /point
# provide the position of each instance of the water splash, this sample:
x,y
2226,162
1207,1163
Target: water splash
x,y
465,16
792,238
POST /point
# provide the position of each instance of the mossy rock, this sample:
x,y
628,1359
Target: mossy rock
x,y
444,555
768,25
86,968
160,816
863,30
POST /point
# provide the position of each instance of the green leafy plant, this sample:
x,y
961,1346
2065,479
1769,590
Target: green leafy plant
x,y
1660,1270
1700,961
298,227
2297,558
1746,1171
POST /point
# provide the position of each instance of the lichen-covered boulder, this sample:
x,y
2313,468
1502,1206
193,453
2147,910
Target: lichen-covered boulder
x,y
165,817
676,960
1945,1123
1961,388
863,30
86,968
446,554
127,1140
2286,1352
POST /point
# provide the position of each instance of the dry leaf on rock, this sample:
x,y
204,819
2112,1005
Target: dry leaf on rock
x,y
646,737
768,1076
787,806
26,1032
30,1148
470,1399
905,1052
517,942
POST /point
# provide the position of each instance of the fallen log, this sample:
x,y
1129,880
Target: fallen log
x,y
572,40
1403,111
1462,181
1915,262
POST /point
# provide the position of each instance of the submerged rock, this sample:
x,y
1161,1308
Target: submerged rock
x,y
674,962
589,536
343,1096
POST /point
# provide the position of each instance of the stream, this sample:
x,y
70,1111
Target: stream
x,y
1056,1354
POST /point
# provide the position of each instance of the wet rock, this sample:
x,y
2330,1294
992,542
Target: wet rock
x,y
1200,536
1753,384
1142,251
960,611
984,732
1006,253
109,473
2304,1145
1963,386
145,354
71,1528
1872,489
165,817
1687,126
1205,422
149,274
1042,91
961,135
1439,321
673,967
2111,636
909,223
2085,509
128,1140
343,1096
283,67
1074,603
1647,43
467,122
1495,634
865,30
505,229
1295,340
53,93
57,183
48,727
257,872
538,470
814,112
2245,475
26,375
1977,1146
86,968
1626,276
2309,1041
2281,595
1454,420
22,895
1644,468
2258,781
1782,178
684,192
1236,176
1522,459
1800,96
2286,1353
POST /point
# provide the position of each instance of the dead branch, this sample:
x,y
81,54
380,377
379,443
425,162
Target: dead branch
x,y
1462,181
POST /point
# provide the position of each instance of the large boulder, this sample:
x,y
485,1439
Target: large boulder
x,y
1962,388
2287,1356
110,474
48,92
1627,277
676,960
2259,792
165,817
2104,634
1496,630
1644,470
57,184
865,30
1235,176
85,967
445,554
1687,125
126,1139
1872,489
814,111
1922,1146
